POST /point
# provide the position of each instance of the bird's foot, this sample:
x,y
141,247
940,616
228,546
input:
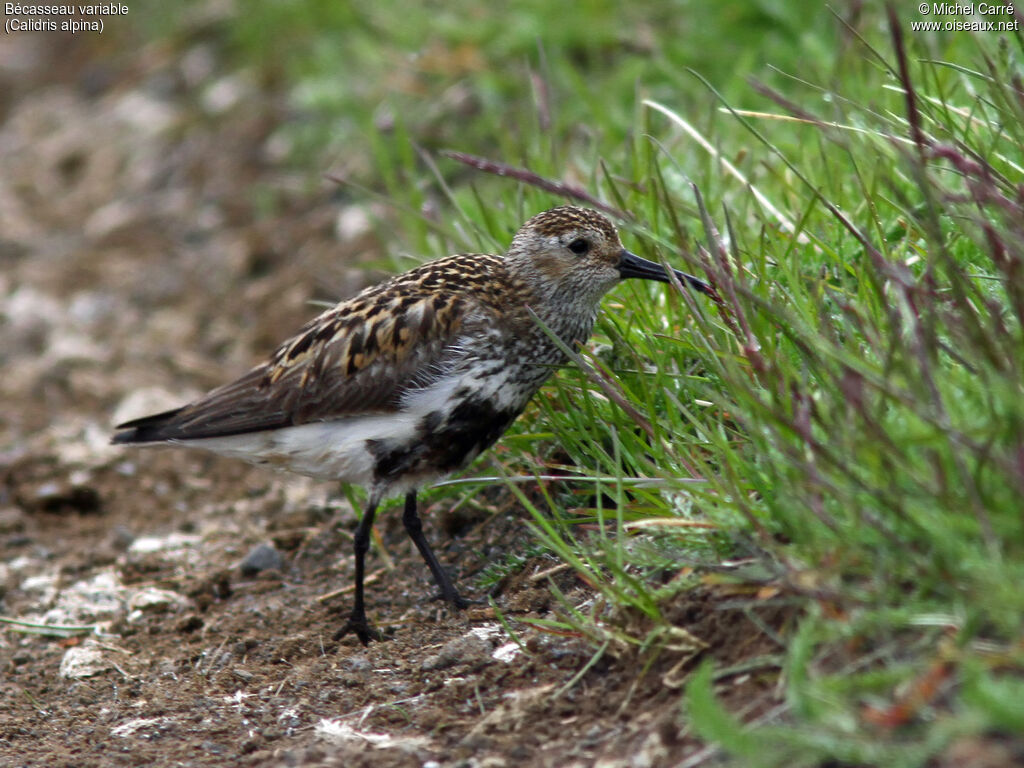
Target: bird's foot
x,y
456,600
362,628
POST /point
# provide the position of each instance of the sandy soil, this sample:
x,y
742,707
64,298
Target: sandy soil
x,y
137,272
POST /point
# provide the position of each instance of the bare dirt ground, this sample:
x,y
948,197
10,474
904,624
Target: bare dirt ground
x,y
137,272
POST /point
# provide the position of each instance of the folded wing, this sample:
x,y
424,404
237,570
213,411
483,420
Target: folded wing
x,y
359,357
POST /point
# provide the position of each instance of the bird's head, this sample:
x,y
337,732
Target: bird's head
x,y
574,255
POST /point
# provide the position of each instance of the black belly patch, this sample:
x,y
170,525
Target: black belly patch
x,y
443,446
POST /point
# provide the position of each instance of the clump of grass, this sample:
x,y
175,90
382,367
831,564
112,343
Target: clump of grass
x,y
855,418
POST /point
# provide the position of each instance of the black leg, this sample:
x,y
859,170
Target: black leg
x,y
414,527
357,619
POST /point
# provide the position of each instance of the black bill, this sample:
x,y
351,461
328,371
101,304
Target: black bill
x,y
631,265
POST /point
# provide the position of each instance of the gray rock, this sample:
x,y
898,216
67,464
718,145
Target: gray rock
x,y
468,649
262,557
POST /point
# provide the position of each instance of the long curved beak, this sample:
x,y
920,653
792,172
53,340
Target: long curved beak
x,y
631,265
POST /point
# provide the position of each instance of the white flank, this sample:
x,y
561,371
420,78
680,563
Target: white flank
x,y
328,450
338,450
417,403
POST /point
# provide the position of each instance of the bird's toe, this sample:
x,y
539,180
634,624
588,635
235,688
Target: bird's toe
x,y
361,628
456,600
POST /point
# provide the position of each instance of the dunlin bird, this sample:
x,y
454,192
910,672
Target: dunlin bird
x,y
412,379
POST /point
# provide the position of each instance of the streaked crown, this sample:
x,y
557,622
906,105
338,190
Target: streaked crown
x,y
567,253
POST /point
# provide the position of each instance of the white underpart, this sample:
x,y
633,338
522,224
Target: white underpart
x,y
339,449
437,396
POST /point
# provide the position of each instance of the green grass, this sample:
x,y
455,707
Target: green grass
x,y
851,426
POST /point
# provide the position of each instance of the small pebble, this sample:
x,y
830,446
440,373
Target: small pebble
x,y
462,650
262,557
83,661
357,663
12,520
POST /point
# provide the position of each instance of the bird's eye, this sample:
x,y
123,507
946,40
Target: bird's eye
x,y
579,246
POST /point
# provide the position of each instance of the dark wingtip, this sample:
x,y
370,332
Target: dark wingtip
x,y
148,429
123,437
